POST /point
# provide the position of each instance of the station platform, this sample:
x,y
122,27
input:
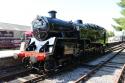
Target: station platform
x,y
6,58
8,53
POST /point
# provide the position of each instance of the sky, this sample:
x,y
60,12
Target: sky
x,y
98,12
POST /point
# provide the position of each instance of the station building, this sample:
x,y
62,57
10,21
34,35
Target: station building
x,y
11,35
13,30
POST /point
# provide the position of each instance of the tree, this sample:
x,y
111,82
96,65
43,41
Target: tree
x,y
121,20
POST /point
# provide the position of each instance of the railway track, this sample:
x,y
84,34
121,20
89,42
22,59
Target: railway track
x,y
121,77
115,62
87,70
30,77
11,72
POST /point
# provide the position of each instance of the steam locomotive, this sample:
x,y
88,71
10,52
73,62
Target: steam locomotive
x,y
56,43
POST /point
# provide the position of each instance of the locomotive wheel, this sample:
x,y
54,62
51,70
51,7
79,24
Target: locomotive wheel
x,y
49,65
26,62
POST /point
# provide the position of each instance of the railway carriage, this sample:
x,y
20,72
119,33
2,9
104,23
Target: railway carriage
x,y
56,43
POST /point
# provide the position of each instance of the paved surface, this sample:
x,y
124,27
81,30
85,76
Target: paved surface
x,y
6,58
8,53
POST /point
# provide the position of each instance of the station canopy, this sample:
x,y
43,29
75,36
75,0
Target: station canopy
x,y
14,27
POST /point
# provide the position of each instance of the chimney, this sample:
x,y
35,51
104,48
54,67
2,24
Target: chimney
x,y
52,14
79,21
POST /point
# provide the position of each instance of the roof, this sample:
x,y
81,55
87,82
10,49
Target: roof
x,y
14,27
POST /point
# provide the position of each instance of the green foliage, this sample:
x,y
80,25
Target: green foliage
x,y
123,12
121,20
110,34
122,3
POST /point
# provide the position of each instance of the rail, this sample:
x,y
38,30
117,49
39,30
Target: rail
x,y
88,75
121,76
85,77
6,73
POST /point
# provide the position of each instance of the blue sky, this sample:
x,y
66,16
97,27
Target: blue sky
x,y
22,12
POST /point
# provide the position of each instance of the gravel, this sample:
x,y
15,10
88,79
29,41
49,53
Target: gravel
x,y
105,75
67,77
109,74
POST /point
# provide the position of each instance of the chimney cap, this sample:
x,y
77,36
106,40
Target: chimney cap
x,y
52,11
79,21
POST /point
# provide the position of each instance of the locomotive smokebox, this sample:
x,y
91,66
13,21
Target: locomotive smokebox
x,y
52,14
79,21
